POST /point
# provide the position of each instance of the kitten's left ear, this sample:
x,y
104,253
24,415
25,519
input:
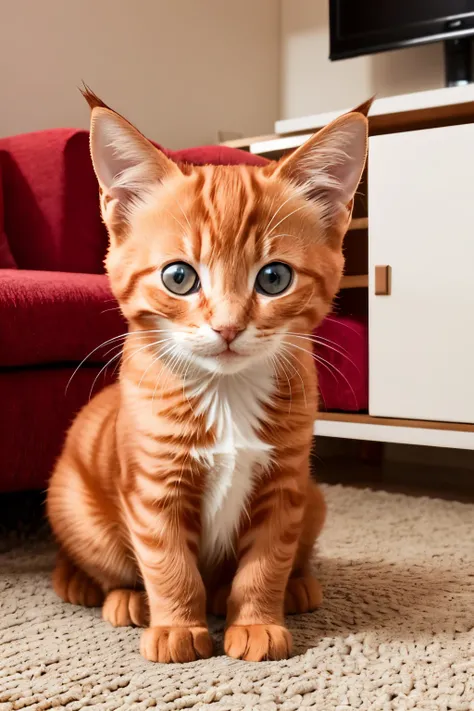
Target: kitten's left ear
x,y
328,167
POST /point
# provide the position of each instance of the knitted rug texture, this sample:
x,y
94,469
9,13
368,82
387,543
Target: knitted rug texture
x,y
396,630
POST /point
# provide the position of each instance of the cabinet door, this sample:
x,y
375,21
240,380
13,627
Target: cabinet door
x,y
421,224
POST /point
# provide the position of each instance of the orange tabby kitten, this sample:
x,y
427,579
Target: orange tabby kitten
x,y
190,476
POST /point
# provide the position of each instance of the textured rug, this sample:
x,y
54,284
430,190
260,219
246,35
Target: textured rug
x,y
395,633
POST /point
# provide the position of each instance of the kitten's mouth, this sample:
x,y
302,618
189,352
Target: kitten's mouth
x,y
228,354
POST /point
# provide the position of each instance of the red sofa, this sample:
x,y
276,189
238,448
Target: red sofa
x,y
55,303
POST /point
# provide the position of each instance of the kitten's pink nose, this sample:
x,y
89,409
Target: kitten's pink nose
x,y
228,333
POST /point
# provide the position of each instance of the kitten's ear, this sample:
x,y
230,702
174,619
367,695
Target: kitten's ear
x,y
328,167
125,162
364,108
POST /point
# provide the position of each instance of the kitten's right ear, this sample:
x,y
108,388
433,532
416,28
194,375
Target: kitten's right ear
x,y
327,168
126,164
363,108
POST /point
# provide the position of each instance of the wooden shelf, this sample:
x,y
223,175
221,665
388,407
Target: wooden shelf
x,y
393,422
359,223
398,431
359,281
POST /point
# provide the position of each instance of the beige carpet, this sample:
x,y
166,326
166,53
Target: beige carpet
x,y
396,630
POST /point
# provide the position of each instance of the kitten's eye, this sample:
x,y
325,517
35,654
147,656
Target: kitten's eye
x,y
180,278
274,279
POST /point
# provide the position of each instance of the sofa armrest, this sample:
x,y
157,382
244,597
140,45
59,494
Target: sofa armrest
x,y
51,202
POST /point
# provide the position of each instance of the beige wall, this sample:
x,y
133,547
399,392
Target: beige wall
x,y
180,69
184,69
310,83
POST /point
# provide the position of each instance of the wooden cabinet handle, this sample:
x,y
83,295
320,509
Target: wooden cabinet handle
x,y
383,280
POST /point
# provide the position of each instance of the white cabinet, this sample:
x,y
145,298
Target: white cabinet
x,y
421,223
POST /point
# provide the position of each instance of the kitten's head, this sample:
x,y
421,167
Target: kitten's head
x,y
227,260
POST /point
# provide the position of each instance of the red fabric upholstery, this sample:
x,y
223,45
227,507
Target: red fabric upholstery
x,y
343,363
36,412
217,155
55,317
6,257
50,196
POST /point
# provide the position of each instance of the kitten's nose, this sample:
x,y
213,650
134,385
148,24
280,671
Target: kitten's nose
x,y
228,333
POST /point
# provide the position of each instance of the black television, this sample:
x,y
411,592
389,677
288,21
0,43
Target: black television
x,y
368,26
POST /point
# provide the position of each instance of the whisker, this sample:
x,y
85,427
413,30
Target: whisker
x,y
153,343
299,376
153,361
173,365
121,345
343,355
274,360
183,213
109,362
285,356
300,207
114,308
277,211
147,345
176,220
101,345
320,390
168,351
104,367
345,325
184,385
324,364
271,219
328,365
306,302
300,364
316,341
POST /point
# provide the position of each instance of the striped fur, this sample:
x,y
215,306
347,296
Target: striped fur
x,y
186,485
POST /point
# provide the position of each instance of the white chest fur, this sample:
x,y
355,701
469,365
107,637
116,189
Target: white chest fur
x,y
234,405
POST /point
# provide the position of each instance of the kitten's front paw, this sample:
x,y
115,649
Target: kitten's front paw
x,y
256,643
176,644
303,594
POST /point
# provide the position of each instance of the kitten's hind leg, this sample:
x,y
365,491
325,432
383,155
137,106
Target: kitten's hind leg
x,y
123,608
303,592
73,585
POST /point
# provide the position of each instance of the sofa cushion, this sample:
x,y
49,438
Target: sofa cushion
x,y
55,317
215,155
341,349
51,198
38,406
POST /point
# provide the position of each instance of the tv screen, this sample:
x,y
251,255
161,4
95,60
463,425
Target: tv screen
x,y
367,26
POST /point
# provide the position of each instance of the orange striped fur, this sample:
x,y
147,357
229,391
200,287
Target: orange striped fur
x,y
185,487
